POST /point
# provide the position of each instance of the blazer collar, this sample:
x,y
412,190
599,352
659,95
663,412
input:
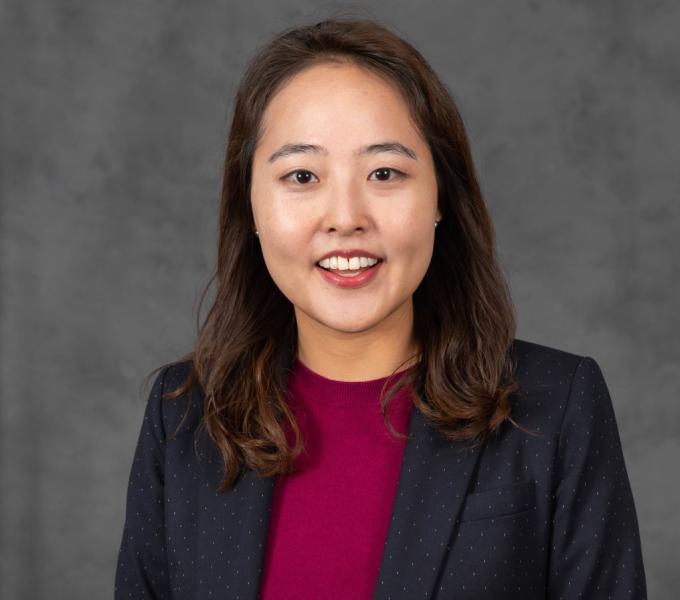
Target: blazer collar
x,y
433,483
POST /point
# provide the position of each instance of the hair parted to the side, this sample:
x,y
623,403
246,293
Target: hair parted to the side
x,y
464,319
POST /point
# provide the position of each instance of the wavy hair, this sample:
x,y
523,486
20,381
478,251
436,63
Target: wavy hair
x,y
464,319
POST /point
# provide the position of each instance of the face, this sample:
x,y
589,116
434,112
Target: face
x,y
308,203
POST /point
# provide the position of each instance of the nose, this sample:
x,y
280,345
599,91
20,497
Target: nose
x,y
346,209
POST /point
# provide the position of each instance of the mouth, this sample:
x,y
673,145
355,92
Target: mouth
x,y
349,272
350,278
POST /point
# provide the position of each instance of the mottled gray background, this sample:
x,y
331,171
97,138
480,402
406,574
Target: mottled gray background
x,y
114,117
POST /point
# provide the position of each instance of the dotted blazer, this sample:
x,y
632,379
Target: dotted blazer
x,y
522,516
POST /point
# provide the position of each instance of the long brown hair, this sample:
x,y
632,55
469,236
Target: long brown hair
x,y
464,319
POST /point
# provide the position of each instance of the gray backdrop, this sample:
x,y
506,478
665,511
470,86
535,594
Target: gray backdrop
x,y
114,117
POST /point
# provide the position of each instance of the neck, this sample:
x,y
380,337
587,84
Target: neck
x,y
358,356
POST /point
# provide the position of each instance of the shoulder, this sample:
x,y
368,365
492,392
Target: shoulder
x,y
538,365
180,414
549,379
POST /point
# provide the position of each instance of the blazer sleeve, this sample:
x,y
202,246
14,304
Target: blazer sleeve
x,y
142,570
595,540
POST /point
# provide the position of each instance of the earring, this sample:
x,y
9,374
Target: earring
x,y
256,232
435,223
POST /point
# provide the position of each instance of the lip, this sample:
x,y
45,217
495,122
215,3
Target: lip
x,y
359,280
349,253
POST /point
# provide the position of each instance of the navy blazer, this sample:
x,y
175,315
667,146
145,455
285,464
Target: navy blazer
x,y
526,516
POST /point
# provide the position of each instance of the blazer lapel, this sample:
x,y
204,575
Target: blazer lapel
x,y
433,482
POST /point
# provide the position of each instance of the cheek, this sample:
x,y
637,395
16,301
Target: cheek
x,y
274,211
287,225
414,252
410,236
285,274
285,250
282,252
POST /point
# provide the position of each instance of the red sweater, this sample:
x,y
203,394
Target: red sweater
x,y
330,518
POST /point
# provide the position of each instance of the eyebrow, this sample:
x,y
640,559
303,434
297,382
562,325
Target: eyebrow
x,y
394,147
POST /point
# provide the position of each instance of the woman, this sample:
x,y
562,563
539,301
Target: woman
x,y
357,419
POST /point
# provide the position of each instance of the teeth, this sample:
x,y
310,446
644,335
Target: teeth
x,y
343,264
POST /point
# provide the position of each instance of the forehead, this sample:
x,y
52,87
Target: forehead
x,y
339,103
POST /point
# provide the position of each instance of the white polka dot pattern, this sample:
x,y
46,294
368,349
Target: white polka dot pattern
x,y
142,570
549,515
595,545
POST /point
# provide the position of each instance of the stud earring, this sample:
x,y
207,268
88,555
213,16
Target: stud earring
x,y
256,232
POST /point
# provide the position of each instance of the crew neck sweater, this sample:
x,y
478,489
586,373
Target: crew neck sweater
x,y
329,519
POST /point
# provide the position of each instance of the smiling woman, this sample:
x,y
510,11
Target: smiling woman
x,y
356,129
346,424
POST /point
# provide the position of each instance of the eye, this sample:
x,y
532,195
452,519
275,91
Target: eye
x,y
302,179
302,176
384,174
